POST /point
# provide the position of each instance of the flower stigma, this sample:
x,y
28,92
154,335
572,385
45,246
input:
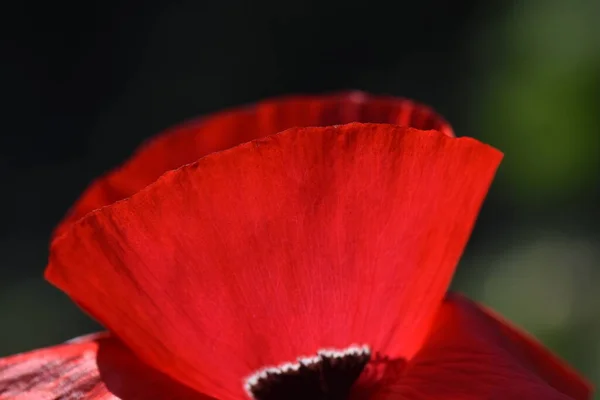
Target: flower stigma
x,y
328,375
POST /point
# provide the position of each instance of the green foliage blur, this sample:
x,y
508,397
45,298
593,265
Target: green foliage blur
x,y
530,86
537,98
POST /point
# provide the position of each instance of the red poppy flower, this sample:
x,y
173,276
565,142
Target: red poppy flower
x,y
311,263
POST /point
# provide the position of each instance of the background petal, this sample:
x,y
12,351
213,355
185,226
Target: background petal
x,y
95,367
472,355
187,142
316,237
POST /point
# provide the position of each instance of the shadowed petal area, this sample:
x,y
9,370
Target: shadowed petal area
x,y
95,367
312,238
471,355
187,142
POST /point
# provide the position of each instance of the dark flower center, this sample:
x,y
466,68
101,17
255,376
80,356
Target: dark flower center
x,y
327,376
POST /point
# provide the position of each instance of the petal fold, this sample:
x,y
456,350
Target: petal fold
x,y
188,142
312,238
94,367
472,355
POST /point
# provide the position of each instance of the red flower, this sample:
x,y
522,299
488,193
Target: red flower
x,y
313,263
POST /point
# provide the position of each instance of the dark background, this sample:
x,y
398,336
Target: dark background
x,y
83,84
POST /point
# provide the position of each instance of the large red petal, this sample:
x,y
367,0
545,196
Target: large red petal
x,y
95,367
471,355
315,237
186,143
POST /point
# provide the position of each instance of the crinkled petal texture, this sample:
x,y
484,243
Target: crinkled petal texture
x,y
188,142
471,355
311,238
96,367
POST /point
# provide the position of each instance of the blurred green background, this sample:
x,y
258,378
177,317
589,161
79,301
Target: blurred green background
x,y
522,76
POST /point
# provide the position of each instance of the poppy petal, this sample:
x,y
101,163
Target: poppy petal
x,y
95,367
470,354
188,142
312,238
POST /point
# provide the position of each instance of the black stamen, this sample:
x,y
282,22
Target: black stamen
x,y
327,376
